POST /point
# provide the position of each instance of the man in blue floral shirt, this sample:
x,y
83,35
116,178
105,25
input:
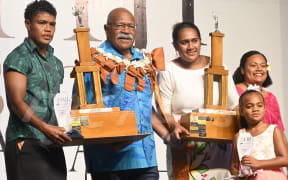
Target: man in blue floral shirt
x,y
137,160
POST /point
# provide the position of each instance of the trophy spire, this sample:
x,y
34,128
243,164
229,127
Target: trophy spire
x,y
216,22
78,12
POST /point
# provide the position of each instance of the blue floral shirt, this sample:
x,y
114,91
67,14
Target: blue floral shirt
x,y
140,154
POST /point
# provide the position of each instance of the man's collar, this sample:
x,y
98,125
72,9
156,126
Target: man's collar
x,y
32,47
108,48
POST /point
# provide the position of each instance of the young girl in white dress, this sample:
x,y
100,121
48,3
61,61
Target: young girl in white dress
x,y
269,152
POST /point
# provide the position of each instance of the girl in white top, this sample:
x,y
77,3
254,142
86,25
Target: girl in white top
x,y
269,152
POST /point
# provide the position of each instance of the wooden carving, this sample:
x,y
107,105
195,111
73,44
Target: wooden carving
x,y
86,65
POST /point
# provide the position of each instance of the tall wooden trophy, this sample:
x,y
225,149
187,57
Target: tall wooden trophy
x,y
94,122
215,123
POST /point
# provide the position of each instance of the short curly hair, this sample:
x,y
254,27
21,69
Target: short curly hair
x,y
36,7
238,77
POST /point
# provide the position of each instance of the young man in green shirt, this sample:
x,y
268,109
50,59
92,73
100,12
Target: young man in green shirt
x,y
32,78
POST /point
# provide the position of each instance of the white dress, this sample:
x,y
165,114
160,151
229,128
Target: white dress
x,y
263,149
182,91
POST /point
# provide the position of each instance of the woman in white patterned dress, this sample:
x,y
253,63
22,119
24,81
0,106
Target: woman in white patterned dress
x,y
182,90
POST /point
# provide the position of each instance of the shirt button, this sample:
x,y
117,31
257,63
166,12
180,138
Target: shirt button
x,y
139,99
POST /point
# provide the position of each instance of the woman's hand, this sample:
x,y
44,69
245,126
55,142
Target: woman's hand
x,y
179,132
175,138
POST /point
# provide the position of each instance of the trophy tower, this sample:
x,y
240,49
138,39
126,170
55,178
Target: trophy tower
x,y
216,71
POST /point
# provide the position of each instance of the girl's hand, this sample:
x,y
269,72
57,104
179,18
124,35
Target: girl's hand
x,y
250,161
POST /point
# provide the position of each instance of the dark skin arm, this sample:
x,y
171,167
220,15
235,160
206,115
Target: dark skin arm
x,y
158,125
285,141
178,130
281,152
234,165
161,129
16,84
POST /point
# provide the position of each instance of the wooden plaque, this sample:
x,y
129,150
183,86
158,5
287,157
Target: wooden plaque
x,y
210,127
95,122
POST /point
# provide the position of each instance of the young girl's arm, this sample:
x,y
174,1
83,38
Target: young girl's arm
x,y
234,165
280,148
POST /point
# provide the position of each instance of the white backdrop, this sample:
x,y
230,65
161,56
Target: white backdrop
x,y
259,24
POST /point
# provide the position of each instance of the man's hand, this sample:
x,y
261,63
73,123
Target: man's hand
x,y
55,133
250,161
73,72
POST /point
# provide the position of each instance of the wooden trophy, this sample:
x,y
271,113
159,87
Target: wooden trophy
x,y
96,123
216,69
215,123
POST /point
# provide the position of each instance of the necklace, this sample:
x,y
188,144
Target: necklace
x,y
143,63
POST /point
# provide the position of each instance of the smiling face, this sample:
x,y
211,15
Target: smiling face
x,y
41,29
255,70
252,108
188,45
120,30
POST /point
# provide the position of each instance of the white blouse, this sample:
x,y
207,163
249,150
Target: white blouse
x,y
182,90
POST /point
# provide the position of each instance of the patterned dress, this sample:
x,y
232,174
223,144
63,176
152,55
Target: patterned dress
x,y
182,91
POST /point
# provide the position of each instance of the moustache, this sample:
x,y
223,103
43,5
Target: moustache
x,y
125,36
